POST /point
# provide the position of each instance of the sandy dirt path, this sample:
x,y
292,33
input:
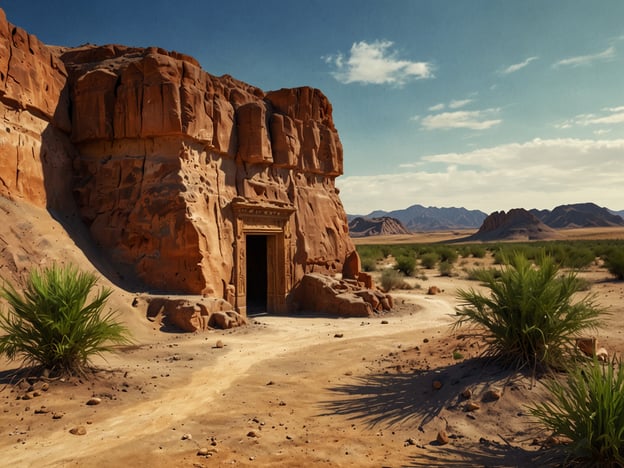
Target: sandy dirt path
x,y
199,385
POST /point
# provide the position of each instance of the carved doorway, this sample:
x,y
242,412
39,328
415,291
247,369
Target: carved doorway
x,y
263,257
257,273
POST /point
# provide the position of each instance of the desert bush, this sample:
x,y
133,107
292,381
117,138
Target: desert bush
x,y
53,326
369,256
429,260
448,254
368,264
614,262
406,264
588,409
446,268
477,251
392,279
528,318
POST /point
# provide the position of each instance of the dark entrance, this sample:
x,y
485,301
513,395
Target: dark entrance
x,y
257,282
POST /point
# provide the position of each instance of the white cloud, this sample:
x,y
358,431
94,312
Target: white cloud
x,y
535,174
376,63
581,60
473,120
456,104
517,66
607,116
437,107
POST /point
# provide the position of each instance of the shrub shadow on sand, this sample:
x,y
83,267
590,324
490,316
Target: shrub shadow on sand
x,y
409,401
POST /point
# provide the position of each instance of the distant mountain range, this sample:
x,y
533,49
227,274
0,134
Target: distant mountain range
x,y
418,218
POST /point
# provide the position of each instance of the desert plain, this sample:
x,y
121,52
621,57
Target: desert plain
x,y
311,390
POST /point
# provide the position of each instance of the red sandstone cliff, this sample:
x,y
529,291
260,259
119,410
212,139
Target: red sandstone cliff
x,y
171,167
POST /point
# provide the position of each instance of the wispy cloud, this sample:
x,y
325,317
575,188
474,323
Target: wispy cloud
x,y
376,63
437,107
540,173
606,116
459,103
584,60
517,66
473,120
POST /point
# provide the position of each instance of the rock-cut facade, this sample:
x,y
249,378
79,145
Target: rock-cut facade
x,y
188,182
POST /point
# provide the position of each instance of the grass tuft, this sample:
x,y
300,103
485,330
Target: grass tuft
x,y
53,325
529,318
588,410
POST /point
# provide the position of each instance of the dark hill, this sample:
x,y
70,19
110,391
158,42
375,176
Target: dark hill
x,y
363,227
578,215
517,224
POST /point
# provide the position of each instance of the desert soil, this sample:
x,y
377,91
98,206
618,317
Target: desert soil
x,y
289,391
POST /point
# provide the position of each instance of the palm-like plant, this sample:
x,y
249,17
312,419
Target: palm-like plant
x,y
588,410
529,318
53,326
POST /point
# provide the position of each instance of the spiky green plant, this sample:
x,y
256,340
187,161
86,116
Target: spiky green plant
x,y
529,317
588,410
53,325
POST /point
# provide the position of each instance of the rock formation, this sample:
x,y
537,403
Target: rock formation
x,y
578,215
384,226
187,182
516,224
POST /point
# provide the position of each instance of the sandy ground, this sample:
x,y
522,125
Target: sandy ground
x,y
287,391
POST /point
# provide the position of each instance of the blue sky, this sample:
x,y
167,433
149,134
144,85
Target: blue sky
x,y
485,104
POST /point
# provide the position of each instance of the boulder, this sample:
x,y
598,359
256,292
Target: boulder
x,y
322,293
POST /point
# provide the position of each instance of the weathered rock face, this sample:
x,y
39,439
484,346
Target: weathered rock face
x,y
34,150
174,169
516,224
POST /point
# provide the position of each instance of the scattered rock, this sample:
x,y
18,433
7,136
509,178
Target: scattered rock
x,y
206,452
57,415
42,410
219,344
338,335
433,290
602,354
437,384
493,394
94,401
409,441
78,430
187,437
472,406
467,393
252,434
442,438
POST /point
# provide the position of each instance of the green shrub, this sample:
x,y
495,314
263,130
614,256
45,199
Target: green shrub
x,y
53,326
477,251
392,279
614,262
446,268
368,264
406,264
587,409
448,254
529,318
429,260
